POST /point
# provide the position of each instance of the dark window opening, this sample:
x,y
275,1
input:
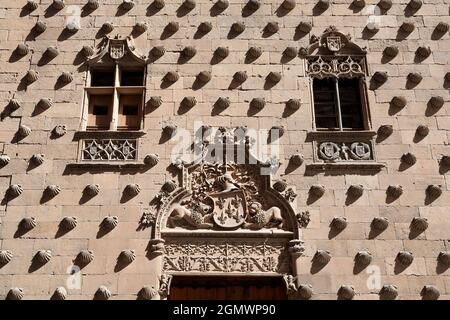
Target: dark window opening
x,y
130,110
100,110
132,78
337,103
102,78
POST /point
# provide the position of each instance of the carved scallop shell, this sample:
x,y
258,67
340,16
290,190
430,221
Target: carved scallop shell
x,y
14,104
155,101
40,26
272,27
69,223
4,160
107,27
204,76
5,256
442,27
58,4
151,159
363,258
405,258
423,130
159,4
322,256
391,51
385,130
388,292
189,4
305,291
127,4
52,52
407,26
436,102
189,51
157,52
317,190
37,159
43,256
53,190
32,76
385,4
346,292
296,159
15,294
189,102
380,77
372,27
222,52
170,129
92,190
28,223
87,51
395,190
288,4
109,222
223,102
169,186
359,3
305,26
15,190
253,4
22,49
92,4
60,293
274,77
444,258
172,76
238,27
240,76
409,158
173,26
205,27
415,4
141,27
254,52
339,223
66,77
434,190
380,223
399,101
127,256
45,103
293,104
356,190
419,223
423,52
132,189
280,185
430,292
222,4
258,103
148,293
59,130
445,161
102,293
414,77
279,130
32,5
85,256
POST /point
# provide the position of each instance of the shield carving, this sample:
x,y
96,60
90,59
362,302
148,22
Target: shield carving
x,y
117,50
334,43
230,209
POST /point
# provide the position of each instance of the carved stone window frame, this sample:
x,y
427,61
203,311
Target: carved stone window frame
x,y
334,55
116,148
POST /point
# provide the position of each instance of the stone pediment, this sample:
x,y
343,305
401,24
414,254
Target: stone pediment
x,y
118,49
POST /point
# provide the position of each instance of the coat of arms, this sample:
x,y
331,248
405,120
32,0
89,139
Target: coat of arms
x,y
117,50
334,43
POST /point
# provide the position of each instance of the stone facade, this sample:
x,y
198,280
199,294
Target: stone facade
x,y
378,224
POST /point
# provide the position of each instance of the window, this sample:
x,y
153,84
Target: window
x,y
337,104
115,98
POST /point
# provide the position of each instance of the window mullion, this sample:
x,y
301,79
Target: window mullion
x,y
338,104
115,109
